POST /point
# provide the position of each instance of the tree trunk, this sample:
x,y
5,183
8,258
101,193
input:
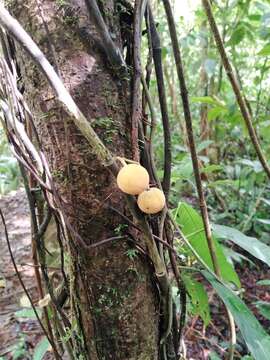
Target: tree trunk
x,y
114,299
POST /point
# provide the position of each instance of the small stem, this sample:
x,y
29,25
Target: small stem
x,y
156,46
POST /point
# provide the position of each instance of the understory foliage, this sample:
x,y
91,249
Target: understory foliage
x,y
233,180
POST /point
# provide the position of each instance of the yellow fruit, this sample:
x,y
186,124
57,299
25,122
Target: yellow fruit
x,y
133,179
151,201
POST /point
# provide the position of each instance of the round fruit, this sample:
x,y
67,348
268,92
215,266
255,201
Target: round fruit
x,y
133,179
151,201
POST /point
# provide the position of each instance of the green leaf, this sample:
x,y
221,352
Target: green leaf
x,y
41,349
204,145
256,338
237,36
264,308
265,51
198,297
206,100
27,313
266,201
265,282
264,221
211,168
216,112
192,226
225,182
250,244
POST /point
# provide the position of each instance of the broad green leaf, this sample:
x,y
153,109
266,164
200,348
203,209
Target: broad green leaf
x,y
250,244
192,226
235,256
264,308
265,51
41,349
198,297
256,338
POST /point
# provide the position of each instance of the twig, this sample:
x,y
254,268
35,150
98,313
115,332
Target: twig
x,y
188,120
156,46
240,99
24,288
152,131
149,64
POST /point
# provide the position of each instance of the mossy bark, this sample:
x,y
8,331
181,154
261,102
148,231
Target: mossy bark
x,y
115,298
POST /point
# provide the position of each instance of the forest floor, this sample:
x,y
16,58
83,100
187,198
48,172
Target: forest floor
x,y
20,335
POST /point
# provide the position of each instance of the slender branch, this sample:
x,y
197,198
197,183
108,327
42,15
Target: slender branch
x,y
239,97
156,46
149,63
152,131
195,163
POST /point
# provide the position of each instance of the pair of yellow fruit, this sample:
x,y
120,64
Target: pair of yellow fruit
x,y
133,179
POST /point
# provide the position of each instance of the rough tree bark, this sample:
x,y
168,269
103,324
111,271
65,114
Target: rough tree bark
x,y
116,307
